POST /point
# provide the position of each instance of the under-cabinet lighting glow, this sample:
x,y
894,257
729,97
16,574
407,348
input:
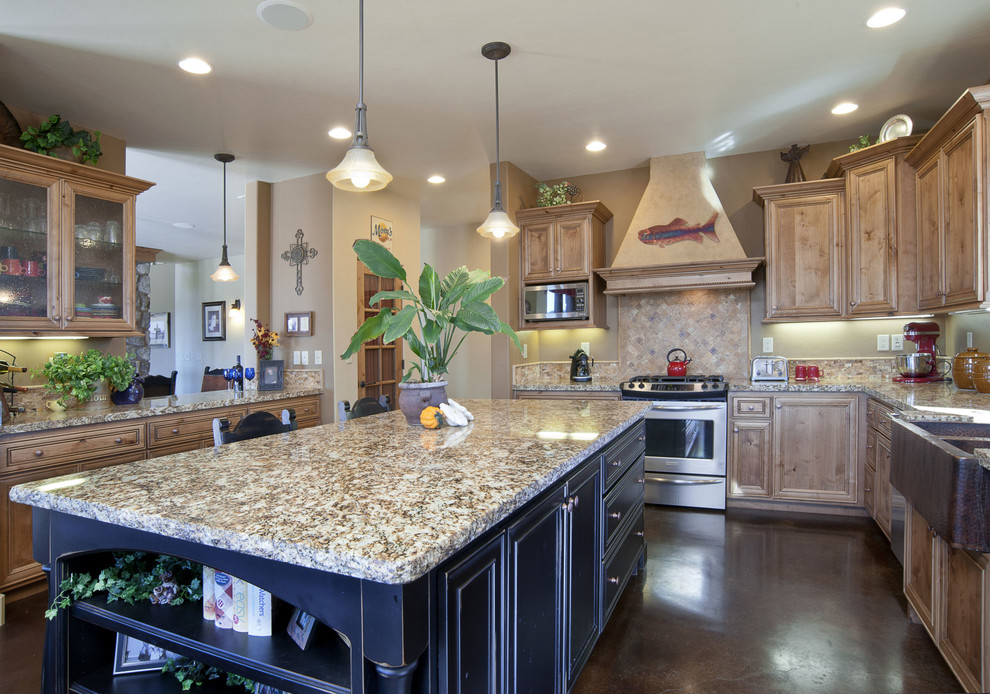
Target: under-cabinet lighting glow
x,y
886,17
562,435
62,484
918,315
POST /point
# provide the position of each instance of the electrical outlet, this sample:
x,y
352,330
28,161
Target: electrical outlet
x,y
767,345
295,356
883,343
305,357
586,346
185,356
969,339
897,343
317,356
525,351
199,356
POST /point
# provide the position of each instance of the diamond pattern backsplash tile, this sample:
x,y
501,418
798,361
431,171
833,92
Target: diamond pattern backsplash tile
x,y
711,326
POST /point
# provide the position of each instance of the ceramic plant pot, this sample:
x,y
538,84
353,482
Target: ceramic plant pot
x,y
100,400
131,395
416,397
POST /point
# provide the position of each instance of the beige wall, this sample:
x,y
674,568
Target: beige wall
x,y
352,220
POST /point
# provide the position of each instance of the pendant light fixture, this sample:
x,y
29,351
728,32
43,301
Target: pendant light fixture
x,y
224,273
360,171
497,225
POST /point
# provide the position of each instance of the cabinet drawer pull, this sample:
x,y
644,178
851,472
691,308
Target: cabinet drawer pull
x,y
867,490
641,438
615,463
118,440
616,515
614,580
779,406
641,481
175,431
735,430
751,408
39,452
640,533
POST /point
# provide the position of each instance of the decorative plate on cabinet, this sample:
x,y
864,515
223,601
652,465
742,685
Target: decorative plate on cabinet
x,y
896,126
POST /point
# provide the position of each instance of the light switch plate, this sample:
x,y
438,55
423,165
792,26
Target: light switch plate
x,y
317,356
305,357
768,345
897,343
295,356
586,347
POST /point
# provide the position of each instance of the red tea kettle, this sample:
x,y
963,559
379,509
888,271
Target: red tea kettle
x,y
677,367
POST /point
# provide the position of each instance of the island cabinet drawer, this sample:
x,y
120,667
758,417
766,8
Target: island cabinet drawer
x,y
307,410
621,564
625,451
625,500
195,426
32,451
751,407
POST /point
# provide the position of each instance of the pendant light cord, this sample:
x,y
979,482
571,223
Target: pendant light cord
x,y
225,210
360,136
498,158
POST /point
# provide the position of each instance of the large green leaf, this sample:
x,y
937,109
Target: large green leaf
x,y
431,332
392,294
399,324
379,260
454,278
369,330
479,317
429,287
482,290
506,330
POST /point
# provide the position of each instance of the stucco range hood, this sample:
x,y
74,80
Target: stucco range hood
x,y
680,237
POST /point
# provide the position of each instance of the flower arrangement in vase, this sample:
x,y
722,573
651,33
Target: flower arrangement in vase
x,y
264,340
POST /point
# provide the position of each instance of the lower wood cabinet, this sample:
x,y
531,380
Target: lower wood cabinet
x,y
523,611
876,487
795,447
949,589
36,456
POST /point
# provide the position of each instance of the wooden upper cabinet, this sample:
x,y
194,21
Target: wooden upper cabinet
x,y
574,247
951,161
803,225
538,251
871,280
70,230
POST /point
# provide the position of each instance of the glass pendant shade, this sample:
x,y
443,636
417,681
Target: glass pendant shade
x,y
359,171
498,225
224,272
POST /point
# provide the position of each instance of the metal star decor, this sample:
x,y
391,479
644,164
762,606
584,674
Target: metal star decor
x,y
299,254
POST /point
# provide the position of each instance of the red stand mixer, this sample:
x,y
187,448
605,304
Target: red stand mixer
x,y
921,367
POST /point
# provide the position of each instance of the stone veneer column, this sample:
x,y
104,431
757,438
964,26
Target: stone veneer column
x,y
138,350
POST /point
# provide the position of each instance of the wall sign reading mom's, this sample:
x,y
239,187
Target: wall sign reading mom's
x,y
381,232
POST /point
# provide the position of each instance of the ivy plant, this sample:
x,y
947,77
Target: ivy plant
x,y
191,672
54,133
78,375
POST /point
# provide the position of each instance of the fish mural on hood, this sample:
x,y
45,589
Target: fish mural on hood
x,y
679,230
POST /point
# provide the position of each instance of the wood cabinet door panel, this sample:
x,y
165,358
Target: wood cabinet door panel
x,y
919,568
882,485
871,269
582,572
964,594
815,448
17,564
929,219
804,257
573,242
538,251
749,459
963,279
869,481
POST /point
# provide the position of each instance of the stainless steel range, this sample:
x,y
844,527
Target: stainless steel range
x,y
685,438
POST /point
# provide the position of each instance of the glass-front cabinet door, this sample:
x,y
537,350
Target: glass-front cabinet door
x,y
98,271
29,252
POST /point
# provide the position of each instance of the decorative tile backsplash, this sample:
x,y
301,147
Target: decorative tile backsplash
x,y
548,372
711,326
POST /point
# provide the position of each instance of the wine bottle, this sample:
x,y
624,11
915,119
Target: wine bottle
x,y
7,368
238,376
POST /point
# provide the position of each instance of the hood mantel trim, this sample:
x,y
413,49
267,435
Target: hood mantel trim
x,y
716,274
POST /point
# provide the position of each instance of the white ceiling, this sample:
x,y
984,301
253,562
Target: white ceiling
x,y
649,77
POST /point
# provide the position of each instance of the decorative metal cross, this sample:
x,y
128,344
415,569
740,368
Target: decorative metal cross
x,y
299,254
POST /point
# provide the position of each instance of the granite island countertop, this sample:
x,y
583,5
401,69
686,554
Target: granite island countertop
x,y
372,498
43,420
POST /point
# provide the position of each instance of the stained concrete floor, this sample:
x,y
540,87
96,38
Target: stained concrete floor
x,y
761,602
741,602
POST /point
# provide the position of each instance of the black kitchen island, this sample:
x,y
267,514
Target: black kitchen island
x,y
486,558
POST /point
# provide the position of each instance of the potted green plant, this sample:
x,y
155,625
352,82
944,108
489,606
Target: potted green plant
x,y
433,323
87,377
55,133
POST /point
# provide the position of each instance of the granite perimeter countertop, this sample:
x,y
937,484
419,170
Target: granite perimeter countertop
x,y
372,498
43,420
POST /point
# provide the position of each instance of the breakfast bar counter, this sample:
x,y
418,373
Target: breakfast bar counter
x,y
360,524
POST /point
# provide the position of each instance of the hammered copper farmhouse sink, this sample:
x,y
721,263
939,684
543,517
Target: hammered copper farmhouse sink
x,y
934,466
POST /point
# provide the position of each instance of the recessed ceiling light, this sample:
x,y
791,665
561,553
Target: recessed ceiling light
x,y
595,146
284,14
196,66
183,225
844,108
339,133
436,179
886,17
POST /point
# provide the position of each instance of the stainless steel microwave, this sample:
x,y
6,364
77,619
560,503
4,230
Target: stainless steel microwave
x,y
567,301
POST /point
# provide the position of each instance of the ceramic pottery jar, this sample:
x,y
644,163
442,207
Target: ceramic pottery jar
x,y
981,375
963,365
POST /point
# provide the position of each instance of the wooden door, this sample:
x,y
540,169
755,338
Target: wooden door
x,y
815,448
928,189
379,365
572,237
803,262
537,251
963,592
963,174
871,279
749,459
919,568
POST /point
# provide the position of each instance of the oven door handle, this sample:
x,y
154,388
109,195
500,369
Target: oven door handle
x,y
682,480
687,408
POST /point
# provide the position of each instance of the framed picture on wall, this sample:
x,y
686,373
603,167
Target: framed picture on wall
x,y
214,320
381,232
270,374
299,323
159,334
